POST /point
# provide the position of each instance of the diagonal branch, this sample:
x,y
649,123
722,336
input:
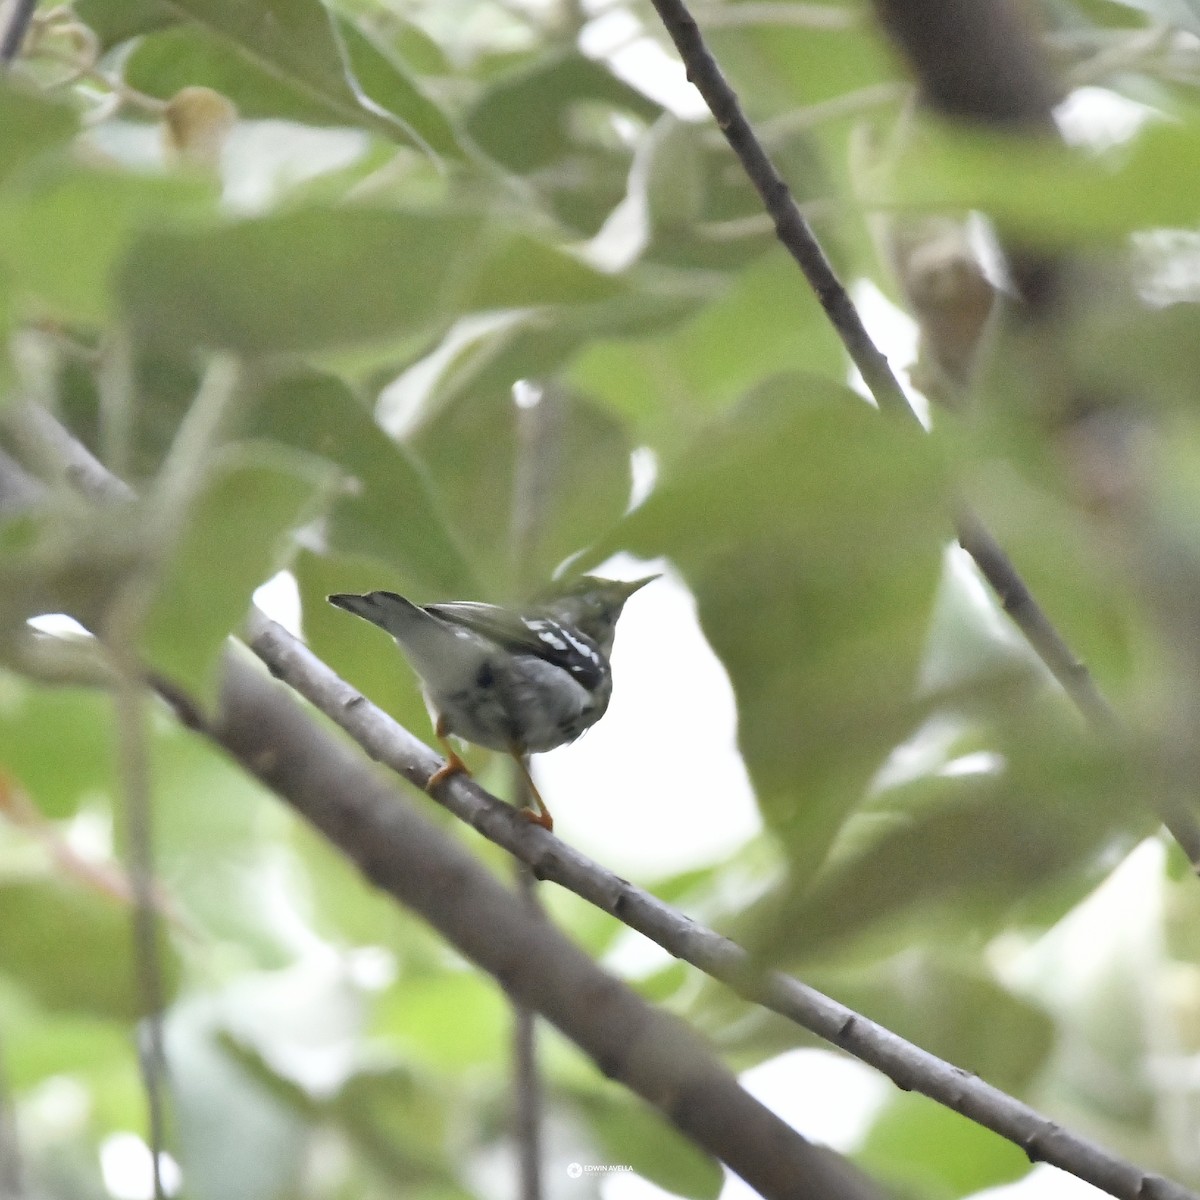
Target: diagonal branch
x,y
801,242
653,1054
388,742
359,811
907,1065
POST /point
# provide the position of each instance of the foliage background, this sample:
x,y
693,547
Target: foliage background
x,y
417,206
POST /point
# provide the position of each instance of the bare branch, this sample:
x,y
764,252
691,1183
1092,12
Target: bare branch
x,y
329,783
16,25
800,241
387,742
907,1065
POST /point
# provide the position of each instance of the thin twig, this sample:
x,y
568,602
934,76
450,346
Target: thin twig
x,y
384,740
655,1055
792,229
798,238
131,717
328,783
11,1175
13,36
527,1080
907,1065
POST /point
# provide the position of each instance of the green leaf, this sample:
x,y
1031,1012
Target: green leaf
x,y
564,461
98,976
298,41
926,1149
810,530
524,121
61,234
950,1008
780,68
973,850
231,543
325,278
386,510
57,743
633,1135
300,281
29,127
552,123
478,1034
1049,193
262,85
116,21
666,382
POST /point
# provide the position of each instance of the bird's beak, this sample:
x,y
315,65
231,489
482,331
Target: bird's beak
x,y
637,584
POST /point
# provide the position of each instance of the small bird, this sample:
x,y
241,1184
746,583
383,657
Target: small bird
x,y
518,681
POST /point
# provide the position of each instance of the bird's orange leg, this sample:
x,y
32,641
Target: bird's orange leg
x,y
453,764
542,816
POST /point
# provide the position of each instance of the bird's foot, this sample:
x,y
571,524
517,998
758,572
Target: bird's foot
x,y
452,766
543,818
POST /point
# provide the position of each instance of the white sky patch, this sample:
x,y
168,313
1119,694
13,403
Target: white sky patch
x,y
1100,119
895,333
279,598
658,785
643,467
60,625
644,63
128,1169
826,1097
1044,1182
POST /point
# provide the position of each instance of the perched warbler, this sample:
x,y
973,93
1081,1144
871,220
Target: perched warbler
x,y
518,681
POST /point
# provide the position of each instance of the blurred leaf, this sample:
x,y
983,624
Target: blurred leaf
x,y
388,511
230,544
236,1141
274,81
953,1010
975,849
766,321
402,1123
29,126
674,187
778,67
544,123
61,234
525,121
57,743
98,976
925,1148
810,531
448,1022
116,21
1049,193
282,283
564,461
633,1134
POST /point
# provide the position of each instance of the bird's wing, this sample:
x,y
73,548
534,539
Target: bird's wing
x,y
539,636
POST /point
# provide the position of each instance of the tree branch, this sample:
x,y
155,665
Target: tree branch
x,y
328,783
908,1066
325,780
16,26
388,742
798,239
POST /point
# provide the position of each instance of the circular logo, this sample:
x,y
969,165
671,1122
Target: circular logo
x,y
574,1170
